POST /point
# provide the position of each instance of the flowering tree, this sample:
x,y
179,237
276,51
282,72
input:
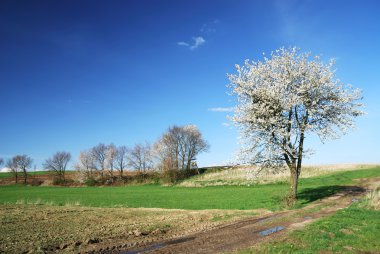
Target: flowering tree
x,y
284,98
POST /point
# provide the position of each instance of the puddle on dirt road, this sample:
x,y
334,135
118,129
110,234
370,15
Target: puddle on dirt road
x,y
307,217
271,230
159,245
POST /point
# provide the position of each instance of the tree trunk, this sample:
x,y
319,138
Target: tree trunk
x,y
293,185
296,169
176,159
292,165
183,161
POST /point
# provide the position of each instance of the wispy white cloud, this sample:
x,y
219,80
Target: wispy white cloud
x,y
182,43
206,30
229,126
221,109
198,41
209,27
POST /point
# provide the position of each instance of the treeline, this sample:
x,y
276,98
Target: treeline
x,y
171,158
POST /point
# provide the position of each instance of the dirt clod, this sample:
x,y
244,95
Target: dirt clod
x,y
63,246
136,232
77,243
92,241
157,231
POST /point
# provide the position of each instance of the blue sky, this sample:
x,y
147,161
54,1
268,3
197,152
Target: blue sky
x,y
76,73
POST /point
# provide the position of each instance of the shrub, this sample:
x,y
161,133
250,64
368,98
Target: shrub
x,y
36,182
58,181
373,199
174,175
151,177
90,181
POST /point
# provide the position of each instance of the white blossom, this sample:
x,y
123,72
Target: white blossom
x,y
284,98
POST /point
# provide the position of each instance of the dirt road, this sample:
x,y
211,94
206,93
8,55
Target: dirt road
x,y
245,233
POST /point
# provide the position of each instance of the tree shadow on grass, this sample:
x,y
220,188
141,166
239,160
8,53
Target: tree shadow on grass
x,y
312,194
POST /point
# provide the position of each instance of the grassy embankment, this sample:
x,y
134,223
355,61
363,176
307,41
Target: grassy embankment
x,y
267,196
250,175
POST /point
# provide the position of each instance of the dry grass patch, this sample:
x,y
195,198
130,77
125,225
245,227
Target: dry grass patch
x,y
250,175
373,197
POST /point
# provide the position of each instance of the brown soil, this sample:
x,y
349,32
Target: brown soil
x,y
46,178
245,233
71,229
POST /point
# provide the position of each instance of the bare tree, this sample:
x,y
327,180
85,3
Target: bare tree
x,y
11,164
194,144
58,164
140,157
86,163
281,100
20,163
111,154
121,159
172,148
179,146
1,161
99,154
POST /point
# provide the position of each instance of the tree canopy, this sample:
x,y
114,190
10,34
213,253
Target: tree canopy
x,y
282,99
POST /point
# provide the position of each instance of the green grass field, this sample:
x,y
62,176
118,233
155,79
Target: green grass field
x,y
352,230
267,196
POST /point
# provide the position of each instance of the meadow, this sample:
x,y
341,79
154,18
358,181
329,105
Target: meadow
x,y
258,196
135,214
351,230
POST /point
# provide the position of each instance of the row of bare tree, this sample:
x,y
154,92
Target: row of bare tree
x,y
112,158
177,148
19,164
